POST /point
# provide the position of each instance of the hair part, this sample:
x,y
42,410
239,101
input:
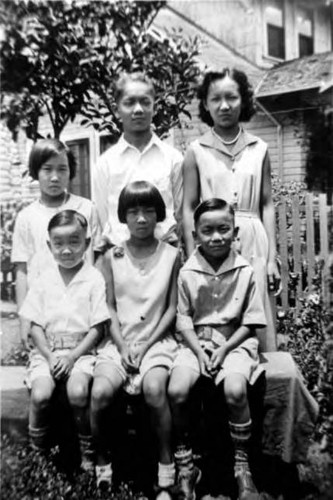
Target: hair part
x,y
137,76
43,150
209,206
245,91
140,193
66,218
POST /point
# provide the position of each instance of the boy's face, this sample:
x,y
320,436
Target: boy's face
x,y
68,245
136,107
215,232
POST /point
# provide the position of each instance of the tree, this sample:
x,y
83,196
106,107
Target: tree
x,y
62,58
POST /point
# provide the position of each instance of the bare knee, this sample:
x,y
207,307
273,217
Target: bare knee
x,y
78,391
154,391
235,391
178,391
102,393
41,395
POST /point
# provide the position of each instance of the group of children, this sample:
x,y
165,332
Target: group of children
x,y
134,316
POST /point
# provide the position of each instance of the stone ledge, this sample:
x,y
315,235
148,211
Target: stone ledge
x,y
14,401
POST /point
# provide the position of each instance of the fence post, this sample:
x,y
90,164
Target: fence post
x,y
310,251
283,244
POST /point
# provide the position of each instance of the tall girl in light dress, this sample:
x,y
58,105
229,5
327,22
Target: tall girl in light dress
x,y
229,163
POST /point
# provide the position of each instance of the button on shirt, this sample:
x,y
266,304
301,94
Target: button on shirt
x,y
66,312
121,164
228,296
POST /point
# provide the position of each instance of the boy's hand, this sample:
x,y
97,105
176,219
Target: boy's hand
x,y
53,361
127,360
217,358
136,353
64,367
204,362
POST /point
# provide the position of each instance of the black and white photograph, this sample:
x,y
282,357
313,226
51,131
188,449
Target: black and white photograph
x,y
166,197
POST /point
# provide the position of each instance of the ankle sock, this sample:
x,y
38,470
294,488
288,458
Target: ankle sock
x,y
240,435
184,458
166,475
39,437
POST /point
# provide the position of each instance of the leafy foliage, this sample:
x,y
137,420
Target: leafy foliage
x,y
62,57
28,475
305,334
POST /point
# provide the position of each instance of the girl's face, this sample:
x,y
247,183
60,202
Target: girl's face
x,y
136,107
141,221
224,102
53,176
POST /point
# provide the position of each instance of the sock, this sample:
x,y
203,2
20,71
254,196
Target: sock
x,y
86,446
39,437
240,435
166,475
184,458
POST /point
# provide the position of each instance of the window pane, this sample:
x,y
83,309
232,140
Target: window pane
x,y
275,41
305,45
80,185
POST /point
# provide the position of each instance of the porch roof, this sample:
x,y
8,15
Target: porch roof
x,y
309,72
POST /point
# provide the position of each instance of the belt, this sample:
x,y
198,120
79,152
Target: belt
x,y
247,214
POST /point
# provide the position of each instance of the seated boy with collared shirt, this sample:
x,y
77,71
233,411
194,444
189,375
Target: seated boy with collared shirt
x,y
219,308
67,308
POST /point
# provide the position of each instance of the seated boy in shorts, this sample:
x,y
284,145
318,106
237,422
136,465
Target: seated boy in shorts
x,y
67,307
219,308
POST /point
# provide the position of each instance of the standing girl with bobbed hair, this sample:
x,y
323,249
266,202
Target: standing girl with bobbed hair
x,y
53,164
229,163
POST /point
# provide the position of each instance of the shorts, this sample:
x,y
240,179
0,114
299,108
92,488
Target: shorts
x,y
244,360
162,353
39,367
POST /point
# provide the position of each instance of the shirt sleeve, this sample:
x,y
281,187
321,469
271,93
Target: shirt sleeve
x,y
184,310
253,312
100,190
21,245
99,310
32,308
177,187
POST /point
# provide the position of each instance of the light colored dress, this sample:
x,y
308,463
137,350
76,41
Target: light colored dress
x,y
236,177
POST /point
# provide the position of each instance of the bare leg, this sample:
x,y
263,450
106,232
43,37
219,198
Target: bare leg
x,y
78,390
235,388
39,411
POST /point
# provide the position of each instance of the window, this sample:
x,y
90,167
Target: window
x,y
105,141
80,185
305,31
274,17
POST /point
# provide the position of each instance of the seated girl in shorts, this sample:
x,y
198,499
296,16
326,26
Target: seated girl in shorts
x,y
219,307
66,306
141,277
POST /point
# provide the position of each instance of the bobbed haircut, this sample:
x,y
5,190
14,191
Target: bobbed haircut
x,y
43,150
209,206
66,218
140,193
245,90
137,76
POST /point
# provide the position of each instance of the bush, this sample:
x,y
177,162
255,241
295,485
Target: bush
x,y
28,475
305,338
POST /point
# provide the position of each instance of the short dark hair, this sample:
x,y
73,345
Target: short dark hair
x,y
210,205
140,193
137,76
43,150
67,217
245,90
